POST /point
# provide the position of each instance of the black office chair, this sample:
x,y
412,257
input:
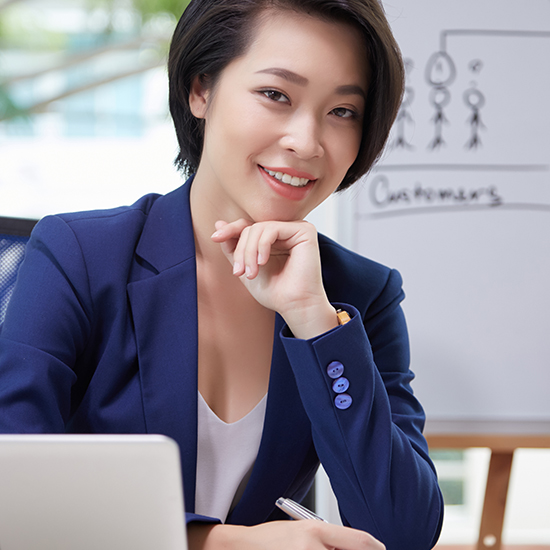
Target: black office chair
x,y
14,234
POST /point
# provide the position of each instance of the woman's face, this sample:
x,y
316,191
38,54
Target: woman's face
x,y
284,121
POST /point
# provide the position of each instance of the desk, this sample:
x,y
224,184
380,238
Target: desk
x,y
502,438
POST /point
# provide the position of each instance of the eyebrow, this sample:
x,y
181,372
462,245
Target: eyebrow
x,y
351,89
294,78
287,75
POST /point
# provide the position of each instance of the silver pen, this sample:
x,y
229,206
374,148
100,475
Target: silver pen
x,y
295,510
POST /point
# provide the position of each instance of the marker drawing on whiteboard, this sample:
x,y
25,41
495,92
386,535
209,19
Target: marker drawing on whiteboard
x,y
475,100
404,118
382,195
440,74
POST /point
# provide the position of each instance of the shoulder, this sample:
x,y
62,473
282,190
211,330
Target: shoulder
x,y
103,226
351,263
98,245
156,231
353,279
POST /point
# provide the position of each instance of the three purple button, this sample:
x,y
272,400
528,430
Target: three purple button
x,y
335,370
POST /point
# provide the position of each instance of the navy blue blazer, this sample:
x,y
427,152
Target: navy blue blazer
x,y
101,336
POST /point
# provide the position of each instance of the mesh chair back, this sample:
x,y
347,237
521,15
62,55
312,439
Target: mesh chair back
x,y
14,234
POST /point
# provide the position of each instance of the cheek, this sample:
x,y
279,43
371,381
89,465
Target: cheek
x,y
258,124
245,128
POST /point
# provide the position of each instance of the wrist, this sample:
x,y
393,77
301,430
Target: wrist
x,y
310,321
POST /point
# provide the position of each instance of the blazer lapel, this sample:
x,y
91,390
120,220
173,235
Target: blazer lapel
x,y
163,300
286,440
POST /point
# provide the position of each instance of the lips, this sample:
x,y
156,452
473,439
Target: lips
x,y
290,176
287,178
297,185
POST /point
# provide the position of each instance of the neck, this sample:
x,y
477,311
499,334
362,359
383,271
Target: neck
x,y
206,210
214,271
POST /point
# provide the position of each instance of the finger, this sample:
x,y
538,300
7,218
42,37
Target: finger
x,y
266,237
219,224
264,247
274,235
258,247
239,265
226,231
281,238
252,252
227,243
228,235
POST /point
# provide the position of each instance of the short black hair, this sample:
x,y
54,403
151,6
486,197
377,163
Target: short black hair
x,y
212,33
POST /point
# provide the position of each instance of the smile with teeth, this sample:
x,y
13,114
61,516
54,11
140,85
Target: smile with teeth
x,y
286,178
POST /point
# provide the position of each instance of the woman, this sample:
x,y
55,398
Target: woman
x,y
217,316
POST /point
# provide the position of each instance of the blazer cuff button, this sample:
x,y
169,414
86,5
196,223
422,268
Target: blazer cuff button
x,y
343,401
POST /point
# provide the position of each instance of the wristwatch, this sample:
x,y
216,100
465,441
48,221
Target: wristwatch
x,y
343,316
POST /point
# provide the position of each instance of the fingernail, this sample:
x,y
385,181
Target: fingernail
x,y
236,267
215,234
248,271
260,259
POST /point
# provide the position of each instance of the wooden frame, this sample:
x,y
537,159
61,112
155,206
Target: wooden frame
x,y
502,446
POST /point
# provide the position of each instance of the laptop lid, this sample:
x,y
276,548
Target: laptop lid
x,y
90,492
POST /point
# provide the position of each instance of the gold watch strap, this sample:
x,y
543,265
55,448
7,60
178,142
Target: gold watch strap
x,y
343,316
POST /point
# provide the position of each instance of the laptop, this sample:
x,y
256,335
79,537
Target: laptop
x,y
90,492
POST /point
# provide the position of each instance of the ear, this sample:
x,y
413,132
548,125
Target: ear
x,y
198,97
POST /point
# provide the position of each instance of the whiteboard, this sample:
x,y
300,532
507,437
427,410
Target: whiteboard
x,y
460,205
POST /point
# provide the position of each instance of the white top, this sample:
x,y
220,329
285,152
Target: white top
x,y
225,456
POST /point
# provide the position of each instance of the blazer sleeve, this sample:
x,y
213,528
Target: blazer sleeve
x,y
46,328
373,451
49,325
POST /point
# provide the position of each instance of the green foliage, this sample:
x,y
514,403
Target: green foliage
x,y
453,491
153,7
146,8
8,109
447,455
22,28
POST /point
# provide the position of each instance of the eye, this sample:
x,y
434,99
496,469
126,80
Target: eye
x,y
274,95
343,112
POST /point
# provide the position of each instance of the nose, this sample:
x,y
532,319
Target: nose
x,y
303,136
